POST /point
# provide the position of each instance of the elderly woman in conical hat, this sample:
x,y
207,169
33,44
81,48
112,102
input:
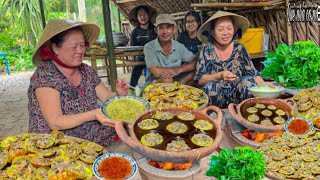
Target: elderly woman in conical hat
x,y
63,91
142,18
224,69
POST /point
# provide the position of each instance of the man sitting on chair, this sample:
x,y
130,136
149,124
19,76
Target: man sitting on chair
x,y
168,60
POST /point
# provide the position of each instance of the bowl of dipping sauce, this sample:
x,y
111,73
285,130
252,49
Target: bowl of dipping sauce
x,y
298,126
113,166
266,91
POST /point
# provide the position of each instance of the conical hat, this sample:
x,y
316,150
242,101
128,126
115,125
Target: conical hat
x,y
239,22
56,26
133,15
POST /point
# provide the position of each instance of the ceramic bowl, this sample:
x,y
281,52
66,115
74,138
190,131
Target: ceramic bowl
x,y
266,91
105,156
286,125
127,108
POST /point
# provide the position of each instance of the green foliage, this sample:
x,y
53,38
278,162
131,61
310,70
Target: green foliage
x,y
295,66
56,15
19,56
242,163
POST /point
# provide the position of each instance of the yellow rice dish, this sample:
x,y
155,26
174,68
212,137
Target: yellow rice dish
x,y
124,109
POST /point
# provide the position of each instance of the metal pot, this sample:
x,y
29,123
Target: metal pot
x,y
171,156
241,112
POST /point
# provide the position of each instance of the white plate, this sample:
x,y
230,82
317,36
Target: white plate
x,y
102,157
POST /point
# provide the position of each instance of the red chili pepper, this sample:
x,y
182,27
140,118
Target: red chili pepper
x,y
218,149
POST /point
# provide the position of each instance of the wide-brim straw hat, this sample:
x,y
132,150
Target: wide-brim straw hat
x,y
133,15
239,22
56,26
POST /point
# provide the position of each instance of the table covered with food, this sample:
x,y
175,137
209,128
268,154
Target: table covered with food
x,y
173,134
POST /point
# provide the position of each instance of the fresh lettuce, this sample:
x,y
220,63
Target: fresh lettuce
x,y
295,66
242,163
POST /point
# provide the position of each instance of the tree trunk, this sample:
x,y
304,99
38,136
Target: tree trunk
x,y
68,8
82,10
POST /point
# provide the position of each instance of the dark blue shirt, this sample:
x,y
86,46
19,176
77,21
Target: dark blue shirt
x,y
190,43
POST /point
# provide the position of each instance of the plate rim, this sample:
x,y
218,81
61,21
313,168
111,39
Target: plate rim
x,y
104,156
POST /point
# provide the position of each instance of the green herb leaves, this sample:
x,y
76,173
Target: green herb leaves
x,y
242,163
295,66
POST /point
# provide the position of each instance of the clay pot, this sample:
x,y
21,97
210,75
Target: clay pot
x,y
285,105
170,156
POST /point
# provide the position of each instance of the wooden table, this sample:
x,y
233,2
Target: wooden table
x,y
125,57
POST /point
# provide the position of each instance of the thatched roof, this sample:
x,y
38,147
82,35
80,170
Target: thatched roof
x,y
162,6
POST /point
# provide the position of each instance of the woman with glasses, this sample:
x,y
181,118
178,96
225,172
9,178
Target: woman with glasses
x,y
189,37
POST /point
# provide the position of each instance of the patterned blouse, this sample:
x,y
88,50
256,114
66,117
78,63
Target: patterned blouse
x,y
222,93
74,100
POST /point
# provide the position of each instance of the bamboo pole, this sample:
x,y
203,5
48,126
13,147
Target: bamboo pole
x,y
43,18
110,45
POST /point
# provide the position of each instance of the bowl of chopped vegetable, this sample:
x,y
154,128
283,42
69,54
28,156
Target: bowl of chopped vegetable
x,y
124,108
266,91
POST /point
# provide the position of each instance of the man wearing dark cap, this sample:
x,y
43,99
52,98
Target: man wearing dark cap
x,y
168,60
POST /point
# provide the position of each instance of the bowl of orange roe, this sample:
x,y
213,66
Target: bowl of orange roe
x,y
298,126
114,166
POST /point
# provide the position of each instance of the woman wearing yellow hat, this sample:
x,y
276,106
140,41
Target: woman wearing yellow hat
x,y
63,91
224,68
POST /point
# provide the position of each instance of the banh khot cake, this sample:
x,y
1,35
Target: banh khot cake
x,y
151,139
266,112
260,106
203,125
266,122
186,116
253,118
252,110
272,107
280,112
163,115
279,120
177,145
148,124
202,139
177,127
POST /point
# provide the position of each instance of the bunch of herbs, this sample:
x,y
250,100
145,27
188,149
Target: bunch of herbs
x,y
242,163
295,66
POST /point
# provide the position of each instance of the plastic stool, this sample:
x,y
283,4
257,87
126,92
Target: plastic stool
x,y
5,62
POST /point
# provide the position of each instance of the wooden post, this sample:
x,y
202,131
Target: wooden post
x,y
43,18
289,28
119,20
110,45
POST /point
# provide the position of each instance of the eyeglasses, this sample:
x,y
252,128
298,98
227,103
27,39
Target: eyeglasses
x,y
189,22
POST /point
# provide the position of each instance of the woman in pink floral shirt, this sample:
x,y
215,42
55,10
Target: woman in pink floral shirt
x,y
63,91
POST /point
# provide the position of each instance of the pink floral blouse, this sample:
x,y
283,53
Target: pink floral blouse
x,y
74,100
